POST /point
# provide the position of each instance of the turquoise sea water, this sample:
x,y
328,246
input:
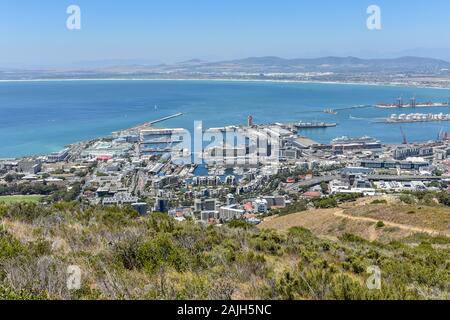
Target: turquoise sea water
x,y
41,117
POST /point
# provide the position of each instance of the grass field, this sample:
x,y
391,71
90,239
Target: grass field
x,y
18,199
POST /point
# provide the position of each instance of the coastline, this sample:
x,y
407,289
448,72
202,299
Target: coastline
x,y
390,84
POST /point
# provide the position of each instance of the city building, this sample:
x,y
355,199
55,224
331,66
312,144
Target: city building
x,y
403,152
29,166
344,144
230,213
261,205
394,164
161,141
120,198
204,205
140,207
59,156
161,205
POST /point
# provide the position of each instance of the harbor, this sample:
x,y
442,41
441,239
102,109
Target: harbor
x,y
75,121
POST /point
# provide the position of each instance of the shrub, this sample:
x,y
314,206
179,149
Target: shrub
x,y
161,252
380,224
161,222
241,224
9,246
325,203
379,201
349,237
8,293
405,198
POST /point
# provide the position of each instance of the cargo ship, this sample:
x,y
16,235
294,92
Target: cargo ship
x,y
314,125
347,140
330,111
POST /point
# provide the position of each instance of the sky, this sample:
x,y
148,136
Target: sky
x,y
34,33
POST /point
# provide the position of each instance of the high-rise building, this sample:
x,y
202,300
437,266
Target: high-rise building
x,y
161,205
250,121
231,199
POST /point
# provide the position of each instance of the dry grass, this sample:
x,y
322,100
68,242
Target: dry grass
x,y
360,218
325,223
428,217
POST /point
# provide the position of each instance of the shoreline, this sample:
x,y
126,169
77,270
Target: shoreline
x,y
392,84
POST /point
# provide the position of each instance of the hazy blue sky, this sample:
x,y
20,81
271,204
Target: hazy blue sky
x,y
33,32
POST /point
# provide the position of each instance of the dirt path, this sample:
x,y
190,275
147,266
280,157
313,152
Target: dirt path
x,y
340,213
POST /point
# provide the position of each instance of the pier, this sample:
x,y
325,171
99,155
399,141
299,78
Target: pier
x,y
149,124
163,119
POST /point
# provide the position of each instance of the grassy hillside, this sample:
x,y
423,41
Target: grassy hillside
x,y
123,256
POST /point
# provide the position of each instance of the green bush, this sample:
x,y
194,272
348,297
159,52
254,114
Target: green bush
x,y
325,203
380,224
348,237
241,224
9,246
379,201
162,252
408,199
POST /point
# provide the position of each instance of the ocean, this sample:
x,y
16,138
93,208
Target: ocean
x,y
39,117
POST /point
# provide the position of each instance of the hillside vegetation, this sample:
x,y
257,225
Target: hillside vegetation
x,y
123,256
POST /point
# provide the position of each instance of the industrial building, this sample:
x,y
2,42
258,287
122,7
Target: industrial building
x,y
403,152
394,164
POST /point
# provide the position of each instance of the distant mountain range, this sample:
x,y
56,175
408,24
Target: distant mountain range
x,y
268,62
331,64
344,61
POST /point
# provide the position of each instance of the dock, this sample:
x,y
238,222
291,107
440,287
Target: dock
x,y
148,124
163,119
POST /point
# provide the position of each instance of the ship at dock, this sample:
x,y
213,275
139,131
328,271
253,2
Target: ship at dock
x,y
413,103
345,143
314,125
330,111
416,117
347,140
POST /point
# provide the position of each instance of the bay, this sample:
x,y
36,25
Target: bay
x,y
40,117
